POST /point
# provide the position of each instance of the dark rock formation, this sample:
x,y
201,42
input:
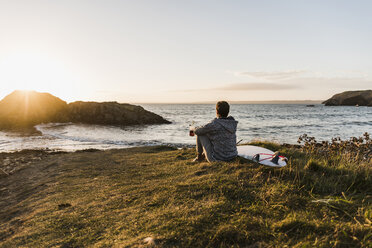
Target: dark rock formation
x,y
21,110
112,113
351,98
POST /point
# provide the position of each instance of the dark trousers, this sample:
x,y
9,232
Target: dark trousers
x,y
204,146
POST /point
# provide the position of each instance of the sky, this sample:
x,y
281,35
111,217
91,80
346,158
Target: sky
x,y
168,51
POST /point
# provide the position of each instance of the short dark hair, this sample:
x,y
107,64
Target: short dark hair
x,y
222,108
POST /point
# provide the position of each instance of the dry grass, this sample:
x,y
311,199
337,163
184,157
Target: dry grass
x,y
118,198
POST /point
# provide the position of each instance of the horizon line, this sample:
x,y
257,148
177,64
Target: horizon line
x,y
243,102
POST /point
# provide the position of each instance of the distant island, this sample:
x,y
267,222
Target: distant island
x,y
22,110
351,98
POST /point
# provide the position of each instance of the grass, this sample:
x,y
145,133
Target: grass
x,y
117,198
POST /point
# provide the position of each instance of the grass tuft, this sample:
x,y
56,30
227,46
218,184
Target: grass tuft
x,y
313,165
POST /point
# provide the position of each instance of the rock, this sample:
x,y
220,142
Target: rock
x,y
7,162
20,111
112,113
351,98
3,173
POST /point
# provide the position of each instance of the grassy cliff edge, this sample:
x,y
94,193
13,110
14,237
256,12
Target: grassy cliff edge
x,y
121,197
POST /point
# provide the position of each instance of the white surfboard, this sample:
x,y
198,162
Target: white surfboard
x,y
261,155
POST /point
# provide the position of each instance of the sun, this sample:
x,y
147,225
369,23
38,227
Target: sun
x,y
29,71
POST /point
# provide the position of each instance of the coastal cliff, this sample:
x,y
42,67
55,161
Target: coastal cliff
x,y
351,98
22,110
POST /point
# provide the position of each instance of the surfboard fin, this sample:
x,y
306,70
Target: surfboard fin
x,y
275,158
284,159
256,158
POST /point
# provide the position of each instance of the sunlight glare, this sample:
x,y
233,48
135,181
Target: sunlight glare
x,y
33,71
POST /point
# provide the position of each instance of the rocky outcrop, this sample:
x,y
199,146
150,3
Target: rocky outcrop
x,y
111,113
21,110
351,98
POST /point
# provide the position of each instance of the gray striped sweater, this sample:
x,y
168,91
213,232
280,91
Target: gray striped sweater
x,y
222,134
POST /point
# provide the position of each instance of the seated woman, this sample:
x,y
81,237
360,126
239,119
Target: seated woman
x,y
216,141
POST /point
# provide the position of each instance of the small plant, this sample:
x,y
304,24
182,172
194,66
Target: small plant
x,y
353,149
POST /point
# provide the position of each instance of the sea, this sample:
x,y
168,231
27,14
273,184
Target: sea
x,y
282,123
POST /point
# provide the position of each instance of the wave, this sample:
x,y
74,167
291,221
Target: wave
x,y
2,142
359,123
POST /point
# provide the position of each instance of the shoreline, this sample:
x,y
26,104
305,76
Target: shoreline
x,y
11,161
276,124
175,146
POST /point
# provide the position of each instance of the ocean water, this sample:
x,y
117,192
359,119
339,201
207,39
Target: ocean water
x,y
274,122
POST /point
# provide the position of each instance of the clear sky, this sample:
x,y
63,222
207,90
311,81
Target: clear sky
x,y
186,51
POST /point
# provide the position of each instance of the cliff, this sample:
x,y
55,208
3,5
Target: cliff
x,y
25,109
351,98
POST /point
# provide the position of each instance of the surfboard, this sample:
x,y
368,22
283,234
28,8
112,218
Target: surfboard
x,y
262,155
